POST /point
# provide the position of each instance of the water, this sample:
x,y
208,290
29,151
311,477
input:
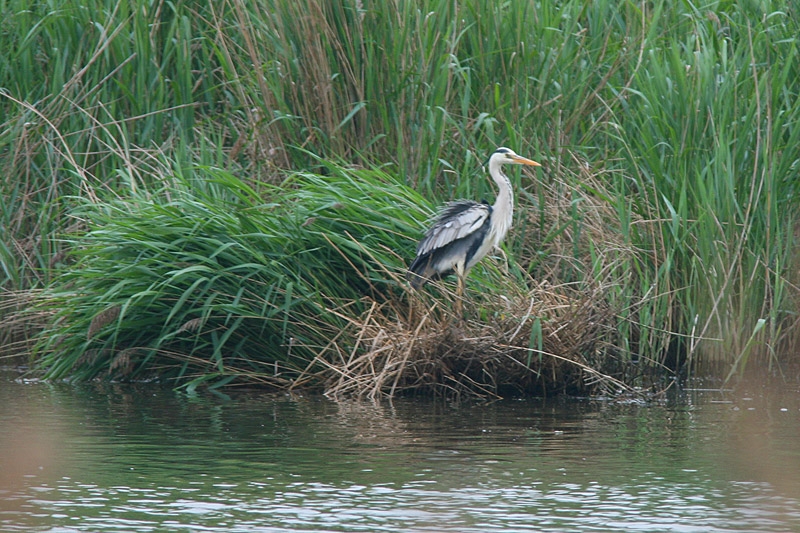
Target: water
x,y
118,458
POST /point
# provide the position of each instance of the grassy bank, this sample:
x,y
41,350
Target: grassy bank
x,y
181,185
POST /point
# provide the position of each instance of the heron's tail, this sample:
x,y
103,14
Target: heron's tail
x,y
420,271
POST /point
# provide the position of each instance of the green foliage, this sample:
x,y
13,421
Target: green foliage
x,y
212,283
710,136
88,90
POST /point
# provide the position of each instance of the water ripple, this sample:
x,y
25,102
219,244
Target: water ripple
x,y
143,463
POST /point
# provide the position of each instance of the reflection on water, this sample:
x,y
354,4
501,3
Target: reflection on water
x,y
119,458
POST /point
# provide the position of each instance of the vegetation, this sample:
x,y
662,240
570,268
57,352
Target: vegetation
x,y
229,193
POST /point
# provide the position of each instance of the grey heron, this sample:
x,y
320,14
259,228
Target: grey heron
x,y
465,231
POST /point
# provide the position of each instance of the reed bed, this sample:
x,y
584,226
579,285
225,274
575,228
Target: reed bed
x,y
140,140
215,287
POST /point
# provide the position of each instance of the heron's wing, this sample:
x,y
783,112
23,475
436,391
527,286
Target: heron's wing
x,y
458,220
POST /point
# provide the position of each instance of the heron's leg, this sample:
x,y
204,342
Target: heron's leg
x,y
502,252
459,296
461,273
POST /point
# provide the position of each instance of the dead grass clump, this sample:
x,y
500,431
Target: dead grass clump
x,y
553,339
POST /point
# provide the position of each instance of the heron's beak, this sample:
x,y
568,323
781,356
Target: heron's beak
x,y
518,159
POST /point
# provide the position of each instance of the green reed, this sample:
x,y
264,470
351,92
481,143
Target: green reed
x,y
214,284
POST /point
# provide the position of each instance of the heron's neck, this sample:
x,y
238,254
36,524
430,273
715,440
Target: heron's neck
x,y
503,209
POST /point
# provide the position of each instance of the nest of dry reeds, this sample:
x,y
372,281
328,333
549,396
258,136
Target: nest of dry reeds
x,y
550,341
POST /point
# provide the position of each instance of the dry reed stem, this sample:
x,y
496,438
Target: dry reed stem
x,y
21,322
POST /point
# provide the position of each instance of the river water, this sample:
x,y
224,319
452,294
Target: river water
x,y
142,458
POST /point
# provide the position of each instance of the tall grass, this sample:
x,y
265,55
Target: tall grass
x,y
255,290
712,138
668,131
89,90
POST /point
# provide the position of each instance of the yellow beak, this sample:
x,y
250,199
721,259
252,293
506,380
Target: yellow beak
x,y
518,159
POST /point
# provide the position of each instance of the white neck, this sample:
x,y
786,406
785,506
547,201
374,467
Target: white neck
x,y
503,209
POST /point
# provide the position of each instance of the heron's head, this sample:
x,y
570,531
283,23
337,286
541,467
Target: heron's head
x,y
507,156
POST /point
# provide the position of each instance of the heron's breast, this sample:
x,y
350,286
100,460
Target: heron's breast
x,y
501,223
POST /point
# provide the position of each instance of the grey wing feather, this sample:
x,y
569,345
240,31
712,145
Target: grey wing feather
x,y
458,220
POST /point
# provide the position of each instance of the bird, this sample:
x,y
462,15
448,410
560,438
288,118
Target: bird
x,y
465,231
